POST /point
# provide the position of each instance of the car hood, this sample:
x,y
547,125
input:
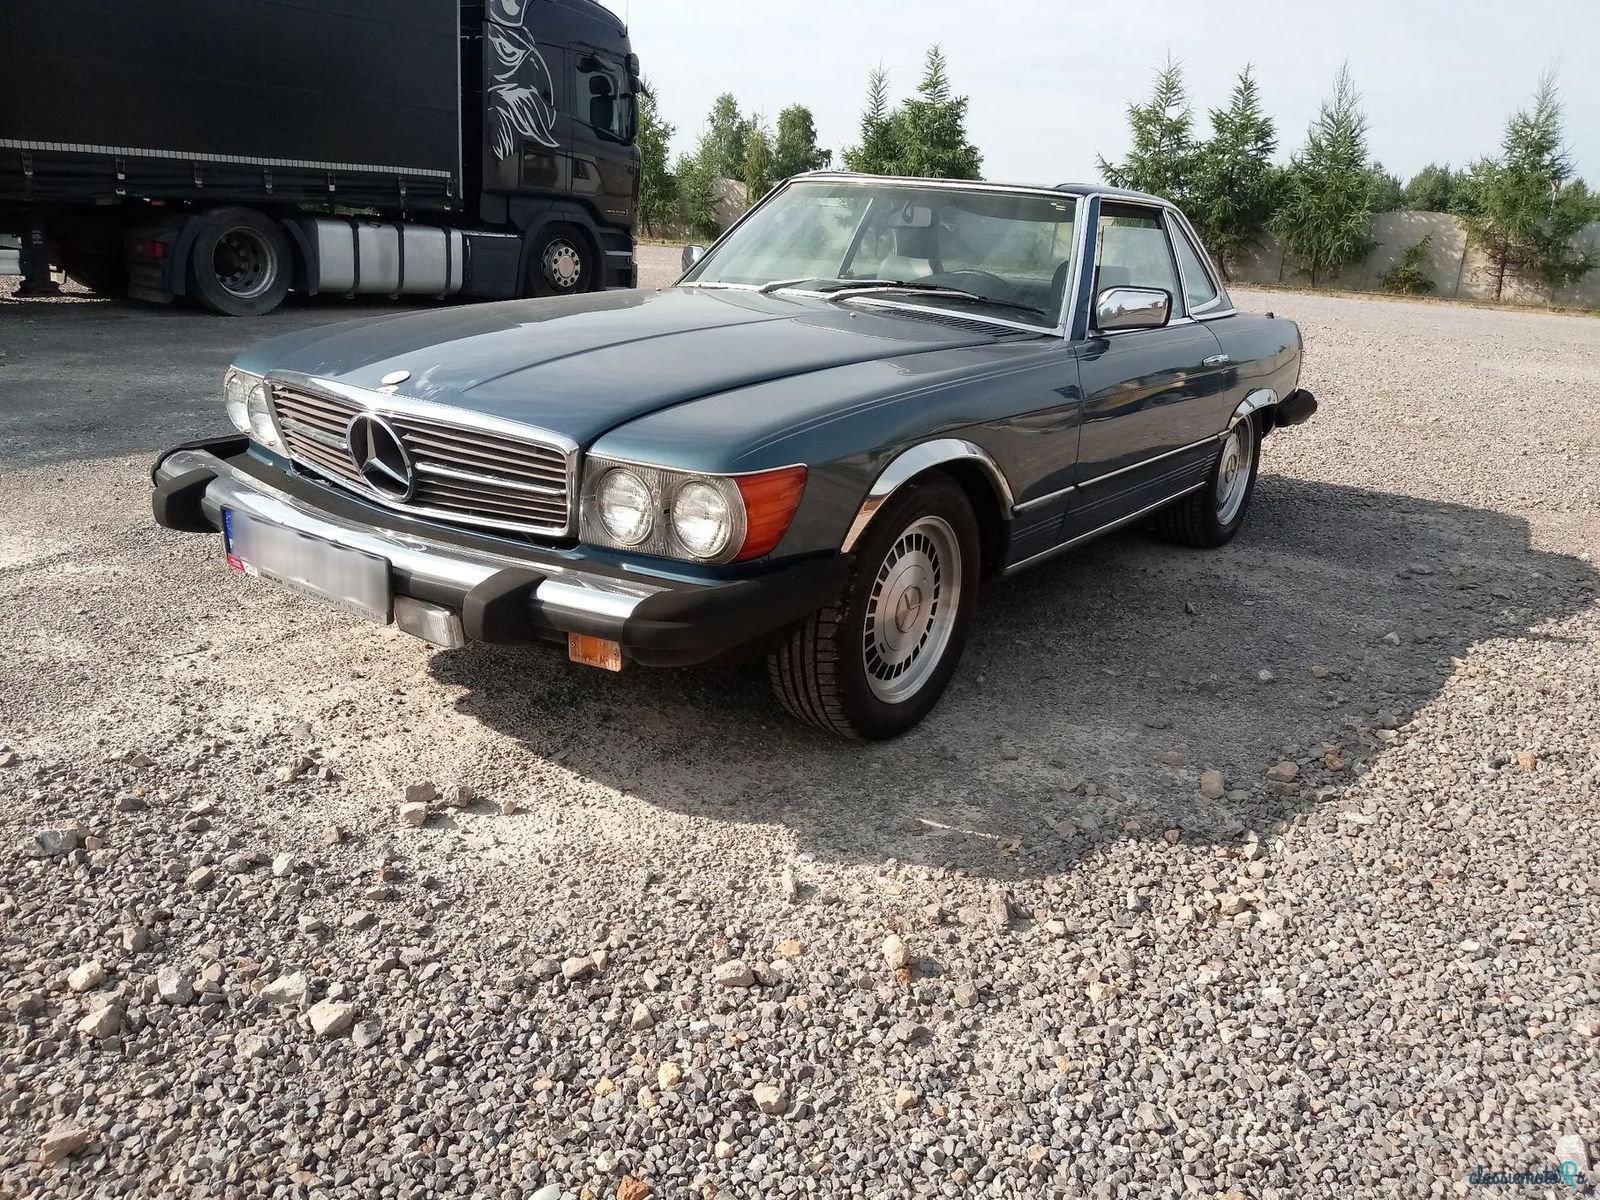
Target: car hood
x,y
583,365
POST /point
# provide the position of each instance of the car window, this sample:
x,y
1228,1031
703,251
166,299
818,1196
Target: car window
x,y
1198,289
1134,252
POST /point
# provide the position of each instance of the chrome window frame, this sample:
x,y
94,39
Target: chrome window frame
x,y
1221,305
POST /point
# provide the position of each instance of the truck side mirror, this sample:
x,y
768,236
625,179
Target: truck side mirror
x,y
692,255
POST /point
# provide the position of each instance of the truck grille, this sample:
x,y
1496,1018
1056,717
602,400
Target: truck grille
x,y
460,471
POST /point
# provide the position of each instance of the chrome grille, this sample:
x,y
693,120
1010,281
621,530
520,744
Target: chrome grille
x,y
478,474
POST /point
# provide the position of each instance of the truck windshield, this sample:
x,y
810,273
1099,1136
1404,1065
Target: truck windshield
x,y
606,90
980,251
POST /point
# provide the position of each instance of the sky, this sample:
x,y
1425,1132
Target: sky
x,y
1050,80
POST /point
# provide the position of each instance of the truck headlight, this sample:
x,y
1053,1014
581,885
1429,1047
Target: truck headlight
x,y
686,514
625,506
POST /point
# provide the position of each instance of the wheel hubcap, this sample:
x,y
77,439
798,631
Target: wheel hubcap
x,y
1233,475
244,263
563,265
911,609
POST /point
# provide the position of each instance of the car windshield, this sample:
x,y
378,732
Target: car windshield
x,y
981,252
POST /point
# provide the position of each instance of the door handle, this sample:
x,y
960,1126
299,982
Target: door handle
x,y
1215,360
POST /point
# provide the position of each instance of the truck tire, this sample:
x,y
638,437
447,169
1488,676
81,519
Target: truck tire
x,y
562,262
239,264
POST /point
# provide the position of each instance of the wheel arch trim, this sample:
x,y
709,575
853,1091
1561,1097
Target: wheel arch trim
x,y
914,461
1254,402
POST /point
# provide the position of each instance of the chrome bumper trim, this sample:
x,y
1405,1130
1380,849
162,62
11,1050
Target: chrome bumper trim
x,y
565,591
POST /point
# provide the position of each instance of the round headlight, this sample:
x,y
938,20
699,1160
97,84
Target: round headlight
x,y
624,504
261,426
235,396
701,519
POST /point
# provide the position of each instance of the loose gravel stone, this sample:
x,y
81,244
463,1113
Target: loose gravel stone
x,y
63,1142
331,1018
103,1021
87,976
895,952
290,990
734,974
771,1098
173,987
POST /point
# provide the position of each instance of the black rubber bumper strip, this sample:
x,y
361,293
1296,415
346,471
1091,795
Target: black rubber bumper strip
x,y
227,446
497,610
1296,408
176,501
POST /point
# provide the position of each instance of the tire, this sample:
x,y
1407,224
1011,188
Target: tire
x,y
1210,517
561,264
831,674
239,263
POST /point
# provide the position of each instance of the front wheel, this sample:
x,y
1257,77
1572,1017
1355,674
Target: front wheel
x,y
875,662
561,264
1210,517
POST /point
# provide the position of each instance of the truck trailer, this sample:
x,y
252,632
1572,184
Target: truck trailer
x,y
230,153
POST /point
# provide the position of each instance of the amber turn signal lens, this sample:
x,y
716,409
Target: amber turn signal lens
x,y
594,652
770,499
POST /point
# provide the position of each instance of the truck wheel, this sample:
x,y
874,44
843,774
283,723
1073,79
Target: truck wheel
x,y
239,264
876,661
562,263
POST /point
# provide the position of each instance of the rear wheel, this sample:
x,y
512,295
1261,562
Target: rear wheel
x,y
562,264
1210,517
239,264
875,662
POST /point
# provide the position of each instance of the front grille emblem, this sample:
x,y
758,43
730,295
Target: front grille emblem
x,y
381,457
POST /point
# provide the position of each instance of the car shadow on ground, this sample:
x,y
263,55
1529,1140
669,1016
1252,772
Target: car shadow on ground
x,y
1093,693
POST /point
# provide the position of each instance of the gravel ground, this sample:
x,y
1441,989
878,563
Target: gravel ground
x,y
1264,872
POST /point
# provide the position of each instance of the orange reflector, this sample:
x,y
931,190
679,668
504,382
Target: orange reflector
x,y
594,652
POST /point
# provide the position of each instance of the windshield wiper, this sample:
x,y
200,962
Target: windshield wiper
x,y
766,289
856,287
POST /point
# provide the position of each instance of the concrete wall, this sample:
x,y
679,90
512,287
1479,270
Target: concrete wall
x,y
1457,270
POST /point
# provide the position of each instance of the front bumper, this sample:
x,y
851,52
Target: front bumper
x,y
504,594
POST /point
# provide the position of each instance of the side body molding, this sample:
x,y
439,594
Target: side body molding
x,y
914,461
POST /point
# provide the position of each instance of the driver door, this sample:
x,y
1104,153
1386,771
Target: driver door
x,y
1148,433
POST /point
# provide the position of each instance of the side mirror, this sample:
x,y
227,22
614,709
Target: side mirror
x,y
1132,308
692,255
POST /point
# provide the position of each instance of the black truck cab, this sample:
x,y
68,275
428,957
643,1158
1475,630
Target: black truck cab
x,y
229,153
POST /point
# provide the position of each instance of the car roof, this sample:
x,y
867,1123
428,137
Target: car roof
x,y
1072,189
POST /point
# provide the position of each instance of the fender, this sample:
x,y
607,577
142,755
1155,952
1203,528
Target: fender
x,y
910,463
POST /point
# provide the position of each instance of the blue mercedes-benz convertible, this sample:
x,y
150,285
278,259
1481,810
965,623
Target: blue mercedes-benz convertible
x,y
868,396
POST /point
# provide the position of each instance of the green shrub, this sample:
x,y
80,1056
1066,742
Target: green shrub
x,y
1409,275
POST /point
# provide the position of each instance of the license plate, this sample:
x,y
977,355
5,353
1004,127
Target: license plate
x,y
351,580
